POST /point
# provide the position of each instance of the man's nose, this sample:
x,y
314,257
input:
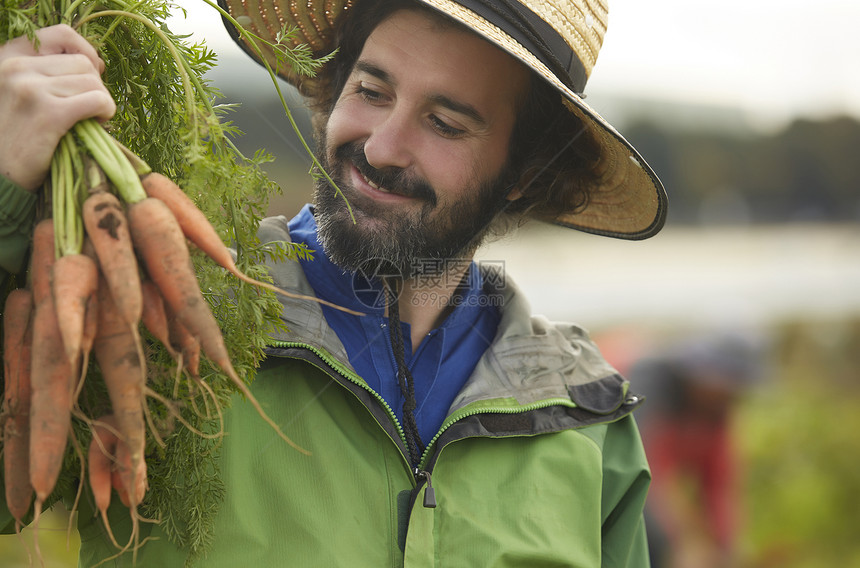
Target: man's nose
x,y
391,142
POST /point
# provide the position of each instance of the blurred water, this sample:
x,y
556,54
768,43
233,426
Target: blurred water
x,y
714,276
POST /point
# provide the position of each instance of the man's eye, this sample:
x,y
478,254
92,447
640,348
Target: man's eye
x,y
369,95
444,128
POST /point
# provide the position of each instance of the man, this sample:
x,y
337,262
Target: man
x,y
446,430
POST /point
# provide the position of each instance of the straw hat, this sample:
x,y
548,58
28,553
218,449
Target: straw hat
x,y
630,202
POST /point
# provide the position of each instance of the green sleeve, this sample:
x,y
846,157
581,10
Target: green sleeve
x,y
17,211
626,481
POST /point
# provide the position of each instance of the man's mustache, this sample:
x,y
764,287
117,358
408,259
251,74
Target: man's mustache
x,y
392,179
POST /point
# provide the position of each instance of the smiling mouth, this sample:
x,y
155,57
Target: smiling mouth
x,y
389,185
374,185
380,188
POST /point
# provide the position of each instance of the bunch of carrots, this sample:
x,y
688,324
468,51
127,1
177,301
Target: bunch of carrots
x,y
90,288
110,261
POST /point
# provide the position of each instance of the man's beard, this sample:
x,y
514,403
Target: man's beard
x,y
389,239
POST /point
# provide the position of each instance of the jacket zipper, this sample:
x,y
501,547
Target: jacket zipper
x,y
338,368
419,474
429,493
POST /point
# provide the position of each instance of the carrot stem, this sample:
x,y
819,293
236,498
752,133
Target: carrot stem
x,y
66,168
139,164
110,158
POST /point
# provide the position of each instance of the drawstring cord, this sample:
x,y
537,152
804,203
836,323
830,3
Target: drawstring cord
x,y
404,375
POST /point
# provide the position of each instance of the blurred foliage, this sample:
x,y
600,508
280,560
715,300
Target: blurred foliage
x,y
800,437
261,118
808,171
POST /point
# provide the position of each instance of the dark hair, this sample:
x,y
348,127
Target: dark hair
x,y
353,29
554,153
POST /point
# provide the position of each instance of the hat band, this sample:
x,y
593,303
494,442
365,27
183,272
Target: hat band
x,y
536,35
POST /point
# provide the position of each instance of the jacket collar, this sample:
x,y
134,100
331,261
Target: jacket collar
x,y
531,359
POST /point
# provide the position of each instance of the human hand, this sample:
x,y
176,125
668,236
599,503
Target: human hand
x,y
43,93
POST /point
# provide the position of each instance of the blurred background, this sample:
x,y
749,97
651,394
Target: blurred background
x,y
741,320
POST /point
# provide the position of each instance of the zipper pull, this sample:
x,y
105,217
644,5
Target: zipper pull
x,y
429,492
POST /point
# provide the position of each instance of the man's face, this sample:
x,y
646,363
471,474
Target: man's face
x,y
418,144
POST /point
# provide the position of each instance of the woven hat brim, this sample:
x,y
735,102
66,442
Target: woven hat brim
x,y
629,202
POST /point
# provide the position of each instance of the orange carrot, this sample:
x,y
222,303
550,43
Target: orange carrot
x,y
109,463
73,281
197,229
52,378
91,316
129,477
184,343
17,340
91,313
87,338
99,464
119,355
154,316
161,244
107,229
194,224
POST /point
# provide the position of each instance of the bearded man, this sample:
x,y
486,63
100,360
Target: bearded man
x,y
449,427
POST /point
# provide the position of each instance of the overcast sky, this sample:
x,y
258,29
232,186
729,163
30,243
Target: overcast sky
x,y
772,59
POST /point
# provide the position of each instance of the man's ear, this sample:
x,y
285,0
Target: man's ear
x,y
514,194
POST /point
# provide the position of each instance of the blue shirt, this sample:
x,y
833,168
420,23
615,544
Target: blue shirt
x,y
443,361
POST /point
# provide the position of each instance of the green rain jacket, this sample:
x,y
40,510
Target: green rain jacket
x,y
538,464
